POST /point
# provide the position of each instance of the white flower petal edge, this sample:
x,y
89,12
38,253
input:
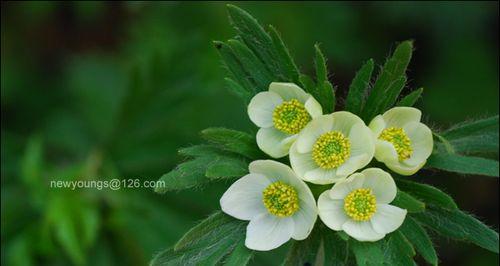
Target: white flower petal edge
x,y
272,141
385,219
266,231
420,136
362,147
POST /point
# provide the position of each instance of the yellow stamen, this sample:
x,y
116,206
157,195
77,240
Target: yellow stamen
x,y
360,204
291,117
401,142
331,150
281,199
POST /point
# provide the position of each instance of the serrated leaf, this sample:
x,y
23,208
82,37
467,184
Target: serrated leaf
x,y
207,243
398,250
238,90
285,59
359,87
411,99
236,69
186,175
252,65
480,136
427,193
417,235
225,166
240,256
254,36
367,253
233,141
463,164
388,82
407,202
460,226
324,92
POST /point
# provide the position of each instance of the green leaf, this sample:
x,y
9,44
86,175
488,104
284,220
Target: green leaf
x,y
480,136
411,99
463,164
254,36
236,69
252,65
367,253
398,250
388,83
324,92
304,252
458,225
359,87
285,59
240,256
225,166
186,175
336,251
238,90
407,202
427,193
207,243
201,150
420,240
307,83
233,141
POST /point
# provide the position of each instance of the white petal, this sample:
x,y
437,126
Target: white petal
x,y
266,232
361,231
274,142
341,189
377,125
312,131
313,107
404,169
261,108
362,141
301,162
343,121
322,176
422,142
388,218
400,116
382,184
385,152
331,211
243,199
304,218
352,164
289,91
275,171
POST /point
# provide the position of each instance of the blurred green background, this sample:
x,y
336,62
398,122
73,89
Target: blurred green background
x,y
102,90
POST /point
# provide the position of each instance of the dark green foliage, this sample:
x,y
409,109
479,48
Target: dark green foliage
x,y
463,164
406,201
417,235
427,193
359,88
411,99
208,243
233,141
458,225
389,83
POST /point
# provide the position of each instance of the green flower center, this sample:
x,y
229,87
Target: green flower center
x,y
281,199
331,150
291,117
401,142
360,204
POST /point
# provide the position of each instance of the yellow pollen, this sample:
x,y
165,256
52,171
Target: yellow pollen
x,y
401,142
331,150
280,199
360,204
290,117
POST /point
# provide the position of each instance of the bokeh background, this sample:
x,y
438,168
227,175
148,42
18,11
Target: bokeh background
x,y
101,90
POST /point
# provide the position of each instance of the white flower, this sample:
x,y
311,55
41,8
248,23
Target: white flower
x,y
278,204
281,113
331,147
401,141
360,206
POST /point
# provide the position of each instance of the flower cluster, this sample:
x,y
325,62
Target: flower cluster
x,y
324,149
